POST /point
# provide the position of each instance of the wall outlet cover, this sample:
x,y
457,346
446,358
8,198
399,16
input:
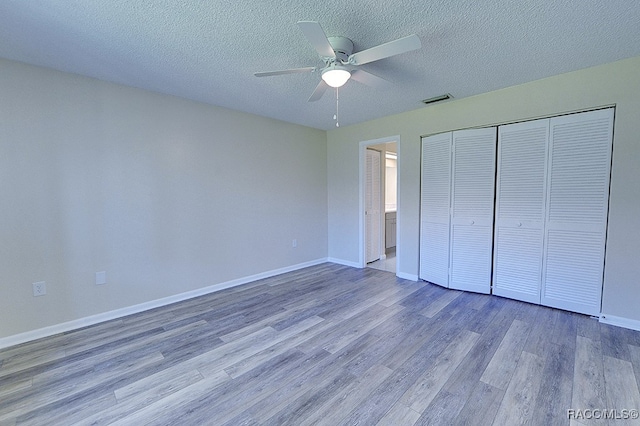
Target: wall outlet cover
x,y
39,288
101,278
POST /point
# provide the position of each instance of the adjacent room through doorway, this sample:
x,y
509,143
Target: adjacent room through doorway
x,y
380,206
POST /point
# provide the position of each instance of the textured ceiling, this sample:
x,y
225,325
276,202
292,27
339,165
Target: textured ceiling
x,y
209,50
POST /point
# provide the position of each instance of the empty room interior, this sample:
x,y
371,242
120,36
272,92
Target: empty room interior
x,y
199,225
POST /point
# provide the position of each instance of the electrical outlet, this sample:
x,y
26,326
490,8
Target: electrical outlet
x,y
101,278
39,288
294,243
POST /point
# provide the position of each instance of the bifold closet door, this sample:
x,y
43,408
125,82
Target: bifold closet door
x,y
434,208
520,210
577,206
456,216
472,203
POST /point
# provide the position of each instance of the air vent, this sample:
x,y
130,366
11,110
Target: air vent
x,y
437,99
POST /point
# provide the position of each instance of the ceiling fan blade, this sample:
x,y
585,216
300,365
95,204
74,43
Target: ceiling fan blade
x,y
318,39
281,72
369,79
396,47
320,89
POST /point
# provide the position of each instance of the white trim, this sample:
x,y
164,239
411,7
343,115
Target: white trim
x,y
405,276
28,336
399,161
620,321
361,192
344,262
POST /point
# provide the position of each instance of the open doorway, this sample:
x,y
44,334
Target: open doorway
x,y
379,204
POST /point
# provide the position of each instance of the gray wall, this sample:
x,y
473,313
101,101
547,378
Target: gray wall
x,y
615,83
165,195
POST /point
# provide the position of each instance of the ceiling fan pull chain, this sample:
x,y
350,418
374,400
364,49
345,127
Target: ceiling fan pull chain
x,y
337,108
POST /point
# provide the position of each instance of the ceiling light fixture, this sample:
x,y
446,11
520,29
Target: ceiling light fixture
x,y
335,75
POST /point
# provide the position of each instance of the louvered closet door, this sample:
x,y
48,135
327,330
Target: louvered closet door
x,y
577,207
472,202
520,210
434,209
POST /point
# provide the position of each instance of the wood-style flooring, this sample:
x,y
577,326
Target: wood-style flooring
x,y
329,345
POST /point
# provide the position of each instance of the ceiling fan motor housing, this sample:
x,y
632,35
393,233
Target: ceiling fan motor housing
x,y
343,47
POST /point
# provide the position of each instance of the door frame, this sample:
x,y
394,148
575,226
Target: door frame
x,y
361,190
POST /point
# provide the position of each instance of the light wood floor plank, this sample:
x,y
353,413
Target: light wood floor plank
x,y
328,372
367,303
634,353
588,377
518,404
539,341
359,328
589,327
250,390
421,393
332,411
481,406
15,386
614,342
385,339
267,321
621,388
31,359
554,396
250,362
138,401
503,364
252,344
162,383
308,398
442,411
84,363
338,334
158,411
392,389
399,414
442,301
45,398
67,411
402,293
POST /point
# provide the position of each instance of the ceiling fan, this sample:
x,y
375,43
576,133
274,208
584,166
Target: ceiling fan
x,y
340,63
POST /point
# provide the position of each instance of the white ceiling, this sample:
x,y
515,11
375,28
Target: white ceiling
x,y
209,50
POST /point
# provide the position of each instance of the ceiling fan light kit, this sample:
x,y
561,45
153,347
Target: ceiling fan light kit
x,y
335,75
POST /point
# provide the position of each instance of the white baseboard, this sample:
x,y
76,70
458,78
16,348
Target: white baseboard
x,y
28,336
344,262
620,321
405,276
